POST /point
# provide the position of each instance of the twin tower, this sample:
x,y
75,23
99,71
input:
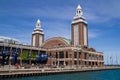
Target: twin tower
x,y
79,31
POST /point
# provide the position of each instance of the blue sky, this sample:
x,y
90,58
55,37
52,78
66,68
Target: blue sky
x,y
18,19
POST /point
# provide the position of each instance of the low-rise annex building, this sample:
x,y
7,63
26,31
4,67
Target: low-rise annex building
x,y
66,52
8,40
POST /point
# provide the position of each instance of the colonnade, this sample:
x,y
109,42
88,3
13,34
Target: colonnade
x,y
75,58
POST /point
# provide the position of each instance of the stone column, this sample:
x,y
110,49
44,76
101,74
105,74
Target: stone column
x,y
10,56
58,60
64,58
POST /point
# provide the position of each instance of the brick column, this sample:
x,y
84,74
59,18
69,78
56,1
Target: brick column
x,y
69,56
52,58
82,57
87,62
72,57
99,60
95,60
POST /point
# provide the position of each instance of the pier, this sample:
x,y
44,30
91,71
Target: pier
x,y
12,73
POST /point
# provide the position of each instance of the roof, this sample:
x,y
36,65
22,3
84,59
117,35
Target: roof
x,y
67,40
62,40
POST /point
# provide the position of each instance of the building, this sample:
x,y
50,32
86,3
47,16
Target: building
x,y
8,40
66,52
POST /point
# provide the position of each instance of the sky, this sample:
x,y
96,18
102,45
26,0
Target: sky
x,y
18,19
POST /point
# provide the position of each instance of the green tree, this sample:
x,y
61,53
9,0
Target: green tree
x,y
26,55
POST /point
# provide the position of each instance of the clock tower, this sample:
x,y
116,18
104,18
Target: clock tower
x,y
37,35
79,29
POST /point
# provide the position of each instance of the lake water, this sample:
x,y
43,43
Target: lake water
x,y
98,75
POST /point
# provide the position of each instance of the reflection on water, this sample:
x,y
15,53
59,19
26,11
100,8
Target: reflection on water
x,y
98,75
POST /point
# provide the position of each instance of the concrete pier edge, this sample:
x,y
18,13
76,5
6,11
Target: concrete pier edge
x,y
39,72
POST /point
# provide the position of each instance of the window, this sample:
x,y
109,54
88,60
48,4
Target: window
x,y
66,54
79,54
89,56
75,54
75,62
61,55
56,55
85,63
85,55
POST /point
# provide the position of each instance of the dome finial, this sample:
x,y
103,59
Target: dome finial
x,y
79,7
38,24
38,21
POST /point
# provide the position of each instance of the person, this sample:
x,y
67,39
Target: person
x,y
16,65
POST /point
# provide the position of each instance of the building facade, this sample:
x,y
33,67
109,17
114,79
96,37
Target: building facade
x,y
66,52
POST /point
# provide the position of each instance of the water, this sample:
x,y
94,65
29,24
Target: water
x,y
98,75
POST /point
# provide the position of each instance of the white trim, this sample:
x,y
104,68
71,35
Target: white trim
x,y
85,35
37,32
80,20
76,35
38,29
34,38
40,40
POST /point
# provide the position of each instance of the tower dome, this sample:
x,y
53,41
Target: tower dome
x,y
38,24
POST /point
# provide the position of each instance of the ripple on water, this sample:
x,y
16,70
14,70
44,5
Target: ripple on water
x,y
98,75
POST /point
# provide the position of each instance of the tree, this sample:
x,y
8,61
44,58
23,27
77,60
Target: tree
x,y
27,55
